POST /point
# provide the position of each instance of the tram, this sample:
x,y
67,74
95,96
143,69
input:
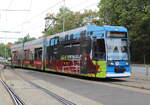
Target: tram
x,y
92,51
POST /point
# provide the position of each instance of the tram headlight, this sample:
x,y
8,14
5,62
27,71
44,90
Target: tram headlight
x,y
110,63
127,63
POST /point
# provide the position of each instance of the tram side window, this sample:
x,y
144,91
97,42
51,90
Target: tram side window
x,y
38,54
66,38
14,55
83,33
26,54
71,37
30,55
99,49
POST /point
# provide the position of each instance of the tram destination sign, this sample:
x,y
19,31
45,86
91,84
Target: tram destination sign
x,y
115,34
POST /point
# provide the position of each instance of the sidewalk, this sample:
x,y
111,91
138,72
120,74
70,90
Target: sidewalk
x,y
141,72
138,78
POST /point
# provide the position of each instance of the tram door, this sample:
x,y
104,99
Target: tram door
x,y
99,52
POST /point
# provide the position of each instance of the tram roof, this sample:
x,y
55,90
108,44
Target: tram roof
x,y
62,34
107,28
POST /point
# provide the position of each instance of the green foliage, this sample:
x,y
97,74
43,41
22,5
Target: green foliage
x,y
71,20
5,51
135,15
25,39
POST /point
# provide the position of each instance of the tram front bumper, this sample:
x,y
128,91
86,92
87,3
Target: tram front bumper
x,y
125,74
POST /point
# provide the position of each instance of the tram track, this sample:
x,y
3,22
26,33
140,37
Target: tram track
x,y
15,98
60,99
121,83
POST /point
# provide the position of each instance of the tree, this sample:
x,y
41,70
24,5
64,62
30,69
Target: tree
x,y
71,20
25,39
5,51
133,14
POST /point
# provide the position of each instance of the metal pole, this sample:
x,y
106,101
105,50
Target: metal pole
x,y
5,39
64,16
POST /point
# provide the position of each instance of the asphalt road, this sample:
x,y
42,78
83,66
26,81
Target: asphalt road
x,y
95,90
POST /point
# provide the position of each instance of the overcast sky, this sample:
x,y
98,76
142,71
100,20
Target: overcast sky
x,y
32,21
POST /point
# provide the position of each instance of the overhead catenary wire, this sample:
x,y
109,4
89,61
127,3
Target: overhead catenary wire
x,y
78,5
49,8
8,38
11,2
13,10
87,6
37,15
30,6
16,10
63,15
55,6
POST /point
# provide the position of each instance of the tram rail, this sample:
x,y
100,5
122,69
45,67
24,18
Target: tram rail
x,y
60,99
15,98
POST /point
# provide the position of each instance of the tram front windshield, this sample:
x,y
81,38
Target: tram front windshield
x,y
117,49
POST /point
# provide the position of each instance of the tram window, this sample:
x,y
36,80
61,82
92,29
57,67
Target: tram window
x,y
61,39
52,42
99,49
56,41
26,54
30,55
83,33
66,37
14,55
91,32
38,53
77,35
71,37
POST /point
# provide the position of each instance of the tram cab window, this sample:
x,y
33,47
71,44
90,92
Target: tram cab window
x,y
38,54
52,42
56,42
99,52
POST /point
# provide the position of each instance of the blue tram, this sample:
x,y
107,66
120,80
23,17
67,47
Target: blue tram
x,y
93,51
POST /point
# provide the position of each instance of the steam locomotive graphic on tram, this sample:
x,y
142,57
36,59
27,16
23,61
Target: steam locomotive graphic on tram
x,y
93,51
